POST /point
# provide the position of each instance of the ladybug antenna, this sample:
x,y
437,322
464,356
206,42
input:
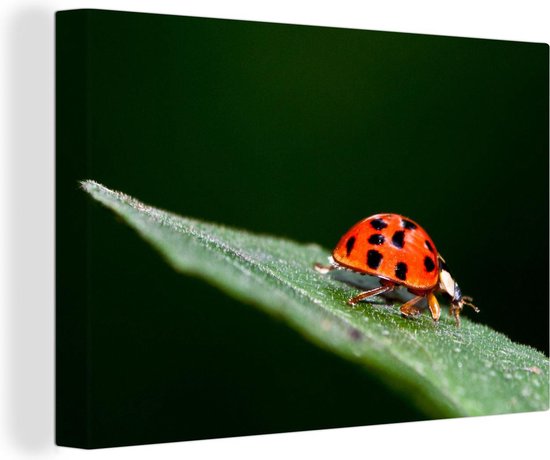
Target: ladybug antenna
x,y
450,287
458,304
466,300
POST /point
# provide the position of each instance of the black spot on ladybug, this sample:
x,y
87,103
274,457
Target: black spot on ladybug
x,y
349,244
429,264
408,224
398,239
373,258
401,270
429,246
378,224
377,239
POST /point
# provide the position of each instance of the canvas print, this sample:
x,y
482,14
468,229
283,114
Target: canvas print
x,y
264,228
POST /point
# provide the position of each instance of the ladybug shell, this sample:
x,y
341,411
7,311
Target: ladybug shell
x,y
391,247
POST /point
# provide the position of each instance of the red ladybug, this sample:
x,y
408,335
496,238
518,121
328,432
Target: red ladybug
x,y
399,252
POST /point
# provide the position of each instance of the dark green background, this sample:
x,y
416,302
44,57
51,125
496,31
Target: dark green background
x,y
294,131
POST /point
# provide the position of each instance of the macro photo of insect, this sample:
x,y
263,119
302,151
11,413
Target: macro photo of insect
x,y
265,228
399,252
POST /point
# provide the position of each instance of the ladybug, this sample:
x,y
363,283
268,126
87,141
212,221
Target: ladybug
x,y
398,252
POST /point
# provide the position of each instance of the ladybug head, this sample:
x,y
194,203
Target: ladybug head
x,y
449,286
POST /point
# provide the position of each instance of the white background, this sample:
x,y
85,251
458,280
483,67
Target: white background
x,y
27,234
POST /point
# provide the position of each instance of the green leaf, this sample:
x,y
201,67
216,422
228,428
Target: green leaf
x,y
445,370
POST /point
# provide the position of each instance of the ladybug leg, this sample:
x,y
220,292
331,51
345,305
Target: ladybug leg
x,y
379,290
323,269
433,304
456,308
409,309
455,311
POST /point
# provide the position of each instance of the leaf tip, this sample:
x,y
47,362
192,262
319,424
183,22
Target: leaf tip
x,y
88,184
